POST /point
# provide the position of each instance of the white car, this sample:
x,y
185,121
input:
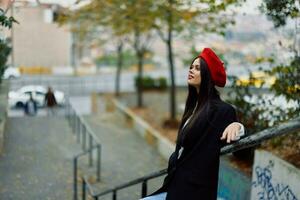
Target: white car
x,y
11,72
19,97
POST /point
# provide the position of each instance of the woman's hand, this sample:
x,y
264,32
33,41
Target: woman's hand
x,y
232,132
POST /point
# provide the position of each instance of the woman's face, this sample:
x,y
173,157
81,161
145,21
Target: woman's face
x,y
194,78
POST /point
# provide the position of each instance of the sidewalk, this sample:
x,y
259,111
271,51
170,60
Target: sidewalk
x,y
37,159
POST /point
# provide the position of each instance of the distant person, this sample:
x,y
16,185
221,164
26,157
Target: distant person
x,y
50,102
208,123
30,107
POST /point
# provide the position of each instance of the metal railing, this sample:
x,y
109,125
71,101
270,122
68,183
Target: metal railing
x,y
250,141
88,140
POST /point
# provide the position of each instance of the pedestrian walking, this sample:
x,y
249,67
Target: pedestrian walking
x,y
50,102
208,123
30,107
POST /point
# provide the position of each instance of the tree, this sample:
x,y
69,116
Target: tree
x,y
5,48
119,66
89,23
134,18
126,21
263,113
5,21
279,12
138,19
174,17
288,75
82,24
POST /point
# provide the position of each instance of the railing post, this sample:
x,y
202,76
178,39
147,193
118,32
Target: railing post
x,y
74,122
83,189
84,138
75,179
78,129
70,119
69,108
98,161
144,188
68,111
91,151
114,197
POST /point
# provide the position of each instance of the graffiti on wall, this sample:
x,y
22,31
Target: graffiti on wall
x,y
267,188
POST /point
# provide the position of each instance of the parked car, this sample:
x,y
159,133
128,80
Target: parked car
x,y
11,72
19,97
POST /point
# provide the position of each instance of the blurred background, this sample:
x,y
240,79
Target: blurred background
x,y
92,94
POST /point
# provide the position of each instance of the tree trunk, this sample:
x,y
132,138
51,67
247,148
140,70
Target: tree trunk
x,y
140,57
173,86
119,68
171,65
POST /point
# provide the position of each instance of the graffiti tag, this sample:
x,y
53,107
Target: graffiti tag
x,y
269,190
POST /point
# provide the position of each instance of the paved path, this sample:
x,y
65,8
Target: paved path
x,y
126,156
37,162
37,159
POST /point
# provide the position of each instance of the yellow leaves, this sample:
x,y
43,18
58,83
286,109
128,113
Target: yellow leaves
x,y
256,79
293,89
188,15
126,17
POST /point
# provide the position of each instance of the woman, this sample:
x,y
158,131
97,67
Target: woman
x,y
208,123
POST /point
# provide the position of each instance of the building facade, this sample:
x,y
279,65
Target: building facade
x,y
37,40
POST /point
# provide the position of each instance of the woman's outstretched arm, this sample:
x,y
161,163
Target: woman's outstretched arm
x,y
233,132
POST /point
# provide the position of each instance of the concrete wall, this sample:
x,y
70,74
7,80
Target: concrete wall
x,y
233,183
274,178
152,137
37,41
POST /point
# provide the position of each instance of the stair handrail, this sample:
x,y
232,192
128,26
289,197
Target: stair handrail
x,y
290,126
83,134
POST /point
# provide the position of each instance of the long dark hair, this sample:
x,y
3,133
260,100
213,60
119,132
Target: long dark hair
x,y
206,98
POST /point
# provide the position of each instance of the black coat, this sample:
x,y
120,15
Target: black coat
x,y
194,176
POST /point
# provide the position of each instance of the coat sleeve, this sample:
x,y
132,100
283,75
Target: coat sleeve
x,y
223,119
241,132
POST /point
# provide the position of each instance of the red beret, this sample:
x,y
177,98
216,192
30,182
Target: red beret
x,y
215,66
